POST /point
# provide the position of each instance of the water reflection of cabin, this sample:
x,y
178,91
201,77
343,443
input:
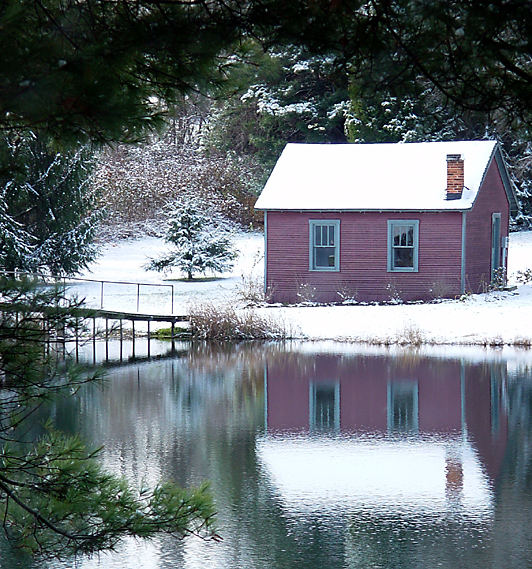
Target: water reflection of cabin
x,y
381,395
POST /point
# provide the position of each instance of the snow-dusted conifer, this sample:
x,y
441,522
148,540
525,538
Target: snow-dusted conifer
x,y
15,243
200,238
47,212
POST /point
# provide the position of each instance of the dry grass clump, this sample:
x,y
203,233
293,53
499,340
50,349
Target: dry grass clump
x,y
411,336
214,322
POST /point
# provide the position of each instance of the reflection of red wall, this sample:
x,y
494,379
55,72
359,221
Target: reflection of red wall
x,y
363,391
489,439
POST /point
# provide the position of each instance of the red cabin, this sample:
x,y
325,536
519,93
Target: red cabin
x,y
378,222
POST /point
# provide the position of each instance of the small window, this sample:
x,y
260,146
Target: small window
x,y
324,250
403,237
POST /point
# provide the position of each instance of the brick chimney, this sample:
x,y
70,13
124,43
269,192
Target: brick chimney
x,y
455,176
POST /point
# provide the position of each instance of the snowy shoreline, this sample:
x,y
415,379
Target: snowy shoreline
x,y
490,319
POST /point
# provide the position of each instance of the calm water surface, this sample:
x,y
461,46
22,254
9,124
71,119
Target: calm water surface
x,y
322,459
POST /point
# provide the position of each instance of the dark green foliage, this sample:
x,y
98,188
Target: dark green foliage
x,y
55,497
286,96
474,54
94,69
106,70
47,197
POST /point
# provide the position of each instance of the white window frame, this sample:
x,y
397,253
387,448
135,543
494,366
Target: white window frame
x,y
392,223
336,224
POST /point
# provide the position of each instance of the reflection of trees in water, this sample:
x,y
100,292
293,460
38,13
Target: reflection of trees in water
x,y
513,512
256,531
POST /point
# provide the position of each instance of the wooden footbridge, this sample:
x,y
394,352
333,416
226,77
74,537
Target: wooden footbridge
x,y
113,319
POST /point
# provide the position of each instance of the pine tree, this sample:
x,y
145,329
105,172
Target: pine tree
x,y
200,242
47,211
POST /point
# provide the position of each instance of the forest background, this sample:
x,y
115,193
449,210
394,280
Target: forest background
x,y
222,149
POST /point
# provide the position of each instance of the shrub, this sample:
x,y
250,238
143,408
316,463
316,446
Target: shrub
x,y
306,293
347,293
394,294
251,290
498,281
411,336
211,322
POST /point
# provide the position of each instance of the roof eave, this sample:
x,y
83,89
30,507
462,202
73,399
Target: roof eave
x,y
359,210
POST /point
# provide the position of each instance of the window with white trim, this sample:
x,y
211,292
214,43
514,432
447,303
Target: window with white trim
x,y
403,245
324,249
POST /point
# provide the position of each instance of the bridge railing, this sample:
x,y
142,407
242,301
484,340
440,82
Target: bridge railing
x,y
65,281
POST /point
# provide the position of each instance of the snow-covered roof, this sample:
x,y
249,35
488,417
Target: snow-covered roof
x,y
389,176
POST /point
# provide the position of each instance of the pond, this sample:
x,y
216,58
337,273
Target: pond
x,y
323,455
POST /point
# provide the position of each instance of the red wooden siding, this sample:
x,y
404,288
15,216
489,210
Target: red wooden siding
x,y
491,198
363,257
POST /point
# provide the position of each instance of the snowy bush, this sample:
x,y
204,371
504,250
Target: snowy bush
x,y
348,294
305,293
200,239
251,287
251,290
411,336
394,294
524,277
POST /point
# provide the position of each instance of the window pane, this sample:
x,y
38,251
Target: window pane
x,y
396,235
324,407
331,235
317,235
324,257
403,258
410,237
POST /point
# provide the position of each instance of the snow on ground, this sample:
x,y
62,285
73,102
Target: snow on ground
x,y
125,260
504,317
